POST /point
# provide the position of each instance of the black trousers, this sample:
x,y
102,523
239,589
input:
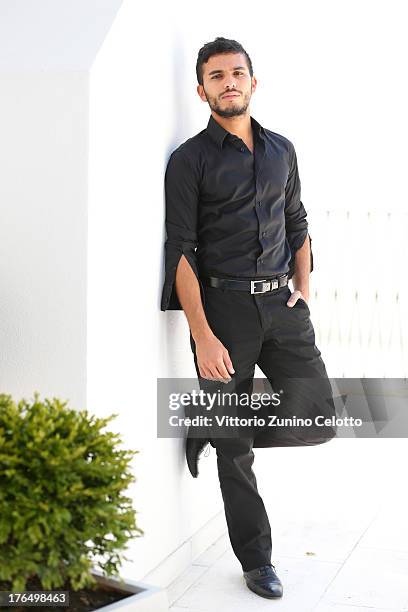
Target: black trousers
x,y
261,329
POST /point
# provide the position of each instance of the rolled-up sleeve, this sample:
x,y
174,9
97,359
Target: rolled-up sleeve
x,y
295,214
182,197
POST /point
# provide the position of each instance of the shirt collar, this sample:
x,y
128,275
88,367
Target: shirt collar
x,y
218,133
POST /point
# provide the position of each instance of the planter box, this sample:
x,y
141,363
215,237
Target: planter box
x,y
143,597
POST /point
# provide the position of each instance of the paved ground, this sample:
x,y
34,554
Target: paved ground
x,y
340,536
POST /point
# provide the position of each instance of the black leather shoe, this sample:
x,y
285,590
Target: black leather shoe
x,y
264,582
194,448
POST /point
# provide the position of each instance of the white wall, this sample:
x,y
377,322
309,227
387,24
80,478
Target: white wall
x,y
43,156
46,49
53,35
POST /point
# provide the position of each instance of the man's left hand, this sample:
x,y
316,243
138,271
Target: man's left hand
x,y
294,298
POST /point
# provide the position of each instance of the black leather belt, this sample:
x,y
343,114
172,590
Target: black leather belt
x,y
253,286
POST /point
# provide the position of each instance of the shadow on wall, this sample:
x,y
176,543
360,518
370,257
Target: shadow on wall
x,y
174,337
182,125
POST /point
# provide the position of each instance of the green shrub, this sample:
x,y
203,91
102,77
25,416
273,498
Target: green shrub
x,y
62,503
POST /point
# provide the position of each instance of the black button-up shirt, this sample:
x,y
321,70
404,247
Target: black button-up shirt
x,y
233,214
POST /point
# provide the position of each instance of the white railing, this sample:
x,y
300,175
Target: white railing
x,y
358,301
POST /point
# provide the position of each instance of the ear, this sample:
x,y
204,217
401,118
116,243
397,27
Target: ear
x,y
201,93
254,83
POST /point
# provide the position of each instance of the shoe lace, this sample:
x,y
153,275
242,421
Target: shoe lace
x,y
264,570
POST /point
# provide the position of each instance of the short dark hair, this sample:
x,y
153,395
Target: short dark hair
x,y
217,46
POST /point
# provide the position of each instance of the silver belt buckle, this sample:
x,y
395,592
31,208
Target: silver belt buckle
x,y
264,282
275,283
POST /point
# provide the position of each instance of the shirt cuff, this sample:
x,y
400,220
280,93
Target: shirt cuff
x,y
169,298
296,240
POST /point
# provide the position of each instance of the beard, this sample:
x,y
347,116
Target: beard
x,y
233,110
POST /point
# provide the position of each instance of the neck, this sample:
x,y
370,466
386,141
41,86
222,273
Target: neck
x,y
239,126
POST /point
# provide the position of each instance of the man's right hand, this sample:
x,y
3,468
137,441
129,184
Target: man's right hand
x,y
213,359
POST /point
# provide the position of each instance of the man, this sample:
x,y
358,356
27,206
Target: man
x,y
236,233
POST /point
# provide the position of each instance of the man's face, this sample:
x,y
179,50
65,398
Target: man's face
x,y
227,84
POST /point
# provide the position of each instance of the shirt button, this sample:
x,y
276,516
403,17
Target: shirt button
x,y
259,203
242,149
264,234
